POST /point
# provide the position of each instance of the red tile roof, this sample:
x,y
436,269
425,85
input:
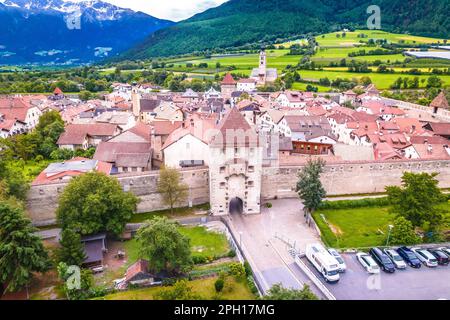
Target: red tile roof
x,y
231,128
228,80
14,108
57,91
440,101
440,128
76,133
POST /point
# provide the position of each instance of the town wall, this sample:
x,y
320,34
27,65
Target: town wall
x,y
351,177
339,178
43,199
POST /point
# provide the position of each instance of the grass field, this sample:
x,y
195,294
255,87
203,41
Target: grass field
x,y
351,38
381,80
302,87
202,287
357,227
331,50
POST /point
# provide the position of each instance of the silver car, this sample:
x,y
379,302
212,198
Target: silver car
x,y
395,258
337,256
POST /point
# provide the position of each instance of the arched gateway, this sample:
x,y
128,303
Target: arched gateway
x,y
235,168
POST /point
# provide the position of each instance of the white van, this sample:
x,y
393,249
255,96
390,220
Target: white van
x,y
323,261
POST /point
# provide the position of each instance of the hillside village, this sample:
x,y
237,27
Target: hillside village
x,y
236,147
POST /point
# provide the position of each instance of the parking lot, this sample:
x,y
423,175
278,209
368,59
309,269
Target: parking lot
x,y
410,284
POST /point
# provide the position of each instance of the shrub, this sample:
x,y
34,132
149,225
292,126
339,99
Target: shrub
x,y
268,205
219,284
252,285
248,269
199,259
237,270
231,254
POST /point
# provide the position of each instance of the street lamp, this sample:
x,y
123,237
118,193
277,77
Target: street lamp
x,y
389,234
240,239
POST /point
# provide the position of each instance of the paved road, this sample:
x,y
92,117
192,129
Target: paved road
x,y
269,254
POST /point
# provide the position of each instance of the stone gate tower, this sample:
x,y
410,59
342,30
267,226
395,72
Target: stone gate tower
x,y
235,167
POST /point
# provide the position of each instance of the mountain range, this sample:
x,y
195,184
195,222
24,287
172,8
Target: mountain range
x,y
69,31
80,31
239,22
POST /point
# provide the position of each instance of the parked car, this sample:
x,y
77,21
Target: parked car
x,y
445,250
395,258
409,256
440,256
368,263
383,260
426,257
337,256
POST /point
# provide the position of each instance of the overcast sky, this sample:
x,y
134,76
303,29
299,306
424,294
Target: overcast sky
x,y
174,10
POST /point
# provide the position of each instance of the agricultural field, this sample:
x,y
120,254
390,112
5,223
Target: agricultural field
x,y
332,49
352,39
381,80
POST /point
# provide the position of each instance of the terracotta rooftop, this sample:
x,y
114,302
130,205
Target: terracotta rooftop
x,y
232,129
76,133
57,91
228,80
440,101
14,108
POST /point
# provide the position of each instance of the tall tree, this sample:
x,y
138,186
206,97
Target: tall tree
x,y
309,186
95,202
417,199
278,292
164,246
72,250
172,190
21,252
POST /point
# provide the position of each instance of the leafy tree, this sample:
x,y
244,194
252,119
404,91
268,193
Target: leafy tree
x,y
172,190
95,202
403,232
85,282
21,252
434,82
72,250
162,244
181,290
309,186
278,292
417,199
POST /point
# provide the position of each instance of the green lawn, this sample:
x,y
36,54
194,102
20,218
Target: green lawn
x,y
204,243
202,287
357,227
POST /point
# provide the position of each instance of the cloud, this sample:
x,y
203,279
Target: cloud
x,y
175,10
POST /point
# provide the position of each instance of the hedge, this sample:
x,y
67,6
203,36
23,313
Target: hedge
x,y
346,204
